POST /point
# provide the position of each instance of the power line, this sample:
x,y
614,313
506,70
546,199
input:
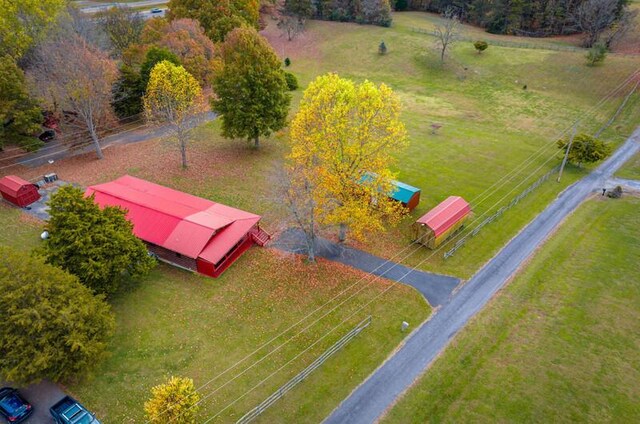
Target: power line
x,y
399,280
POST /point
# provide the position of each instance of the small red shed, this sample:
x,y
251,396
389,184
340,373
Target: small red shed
x,y
18,191
441,222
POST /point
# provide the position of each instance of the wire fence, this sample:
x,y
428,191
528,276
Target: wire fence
x,y
508,43
488,220
278,394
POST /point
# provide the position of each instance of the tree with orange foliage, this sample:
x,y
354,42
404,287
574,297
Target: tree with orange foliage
x,y
72,75
186,39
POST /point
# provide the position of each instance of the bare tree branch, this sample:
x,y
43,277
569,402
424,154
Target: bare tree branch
x,y
448,32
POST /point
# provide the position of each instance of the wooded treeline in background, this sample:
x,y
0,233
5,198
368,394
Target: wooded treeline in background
x,y
520,17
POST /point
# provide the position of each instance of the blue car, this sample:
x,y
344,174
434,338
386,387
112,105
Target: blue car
x,y
69,411
13,406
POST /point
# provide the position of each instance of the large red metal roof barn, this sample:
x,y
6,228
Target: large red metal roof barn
x,y
441,222
18,191
182,229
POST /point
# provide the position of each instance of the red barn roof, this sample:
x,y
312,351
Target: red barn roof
x,y
446,214
186,224
11,184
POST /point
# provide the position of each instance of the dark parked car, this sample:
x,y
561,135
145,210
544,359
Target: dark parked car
x,y
69,411
47,135
13,406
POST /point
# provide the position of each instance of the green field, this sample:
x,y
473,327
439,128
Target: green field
x,y
631,169
491,124
179,323
560,344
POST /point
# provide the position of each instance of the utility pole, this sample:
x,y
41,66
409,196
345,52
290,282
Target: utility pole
x,y
566,154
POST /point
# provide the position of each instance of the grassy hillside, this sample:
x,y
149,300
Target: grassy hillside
x,y
490,122
559,344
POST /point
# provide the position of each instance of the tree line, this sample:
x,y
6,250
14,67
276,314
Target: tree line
x,y
530,17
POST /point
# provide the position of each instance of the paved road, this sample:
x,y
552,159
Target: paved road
x,y
94,7
381,390
42,396
435,288
631,184
56,150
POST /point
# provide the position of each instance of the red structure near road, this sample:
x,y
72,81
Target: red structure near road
x,y
441,222
184,230
18,191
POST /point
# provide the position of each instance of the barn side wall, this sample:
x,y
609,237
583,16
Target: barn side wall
x,y
172,257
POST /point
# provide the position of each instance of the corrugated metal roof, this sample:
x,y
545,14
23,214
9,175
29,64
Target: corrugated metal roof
x,y
11,184
227,238
404,192
446,214
172,219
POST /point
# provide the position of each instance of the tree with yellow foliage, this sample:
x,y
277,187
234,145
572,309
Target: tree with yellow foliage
x,y
175,401
343,141
25,22
173,97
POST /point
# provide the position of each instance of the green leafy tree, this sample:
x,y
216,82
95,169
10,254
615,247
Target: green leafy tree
x,y
174,401
216,17
481,46
53,327
20,115
25,22
251,89
302,9
585,149
127,92
96,245
292,81
154,56
596,54
401,5
123,25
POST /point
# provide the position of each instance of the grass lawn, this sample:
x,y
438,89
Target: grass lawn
x,y
179,323
19,230
561,343
490,123
631,169
490,126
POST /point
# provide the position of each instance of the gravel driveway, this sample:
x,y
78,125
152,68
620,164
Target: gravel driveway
x,y
41,396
